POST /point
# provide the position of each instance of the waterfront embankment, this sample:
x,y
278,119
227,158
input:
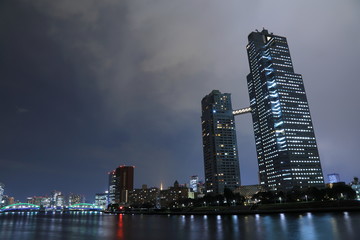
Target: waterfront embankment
x,y
293,207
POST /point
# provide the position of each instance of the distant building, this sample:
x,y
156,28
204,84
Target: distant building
x,y
355,185
2,188
112,186
171,196
46,202
121,181
7,200
144,196
75,199
54,199
194,182
201,190
333,178
221,161
101,200
43,201
284,136
60,201
30,200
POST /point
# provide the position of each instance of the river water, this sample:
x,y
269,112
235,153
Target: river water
x,y
88,226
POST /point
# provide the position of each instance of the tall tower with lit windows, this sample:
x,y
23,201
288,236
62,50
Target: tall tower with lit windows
x,y
121,181
219,143
285,141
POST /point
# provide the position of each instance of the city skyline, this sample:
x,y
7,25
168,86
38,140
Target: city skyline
x,y
86,86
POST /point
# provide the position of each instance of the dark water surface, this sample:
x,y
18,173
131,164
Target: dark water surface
x,y
22,226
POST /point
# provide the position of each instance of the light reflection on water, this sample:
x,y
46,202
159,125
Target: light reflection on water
x,y
101,226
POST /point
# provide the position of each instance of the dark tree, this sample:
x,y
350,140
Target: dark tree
x,y
343,192
239,199
229,195
294,195
265,197
315,194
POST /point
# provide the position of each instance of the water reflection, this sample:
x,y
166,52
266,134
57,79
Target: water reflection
x,y
219,227
283,222
307,228
101,226
120,231
348,223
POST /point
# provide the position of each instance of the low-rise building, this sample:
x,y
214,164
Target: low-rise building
x,y
171,196
75,198
43,201
144,196
102,200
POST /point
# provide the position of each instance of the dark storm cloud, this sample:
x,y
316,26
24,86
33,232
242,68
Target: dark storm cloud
x,y
120,82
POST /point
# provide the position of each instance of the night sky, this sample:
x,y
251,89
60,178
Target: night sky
x,y
88,85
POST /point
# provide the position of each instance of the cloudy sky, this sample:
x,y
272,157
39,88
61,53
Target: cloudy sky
x,y
88,85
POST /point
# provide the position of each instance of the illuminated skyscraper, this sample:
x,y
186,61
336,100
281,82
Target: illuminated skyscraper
x,y
121,181
219,143
194,181
112,186
284,135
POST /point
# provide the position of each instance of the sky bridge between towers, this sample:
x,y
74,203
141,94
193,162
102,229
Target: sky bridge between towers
x,y
241,111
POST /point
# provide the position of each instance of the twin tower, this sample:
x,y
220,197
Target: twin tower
x,y
286,147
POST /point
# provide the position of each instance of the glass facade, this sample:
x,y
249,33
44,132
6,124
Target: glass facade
x,y
285,142
219,143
